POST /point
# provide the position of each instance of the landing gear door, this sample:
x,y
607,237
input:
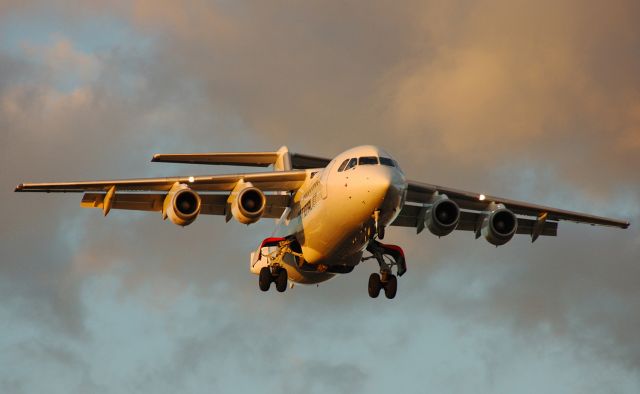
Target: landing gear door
x,y
324,180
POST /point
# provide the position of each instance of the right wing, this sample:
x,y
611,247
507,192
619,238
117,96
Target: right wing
x,y
148,194
265,181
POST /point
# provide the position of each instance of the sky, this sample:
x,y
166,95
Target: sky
x,y
538,101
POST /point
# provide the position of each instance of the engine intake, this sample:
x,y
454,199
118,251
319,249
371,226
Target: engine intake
x,y
443,216
499,226
248,205
182,205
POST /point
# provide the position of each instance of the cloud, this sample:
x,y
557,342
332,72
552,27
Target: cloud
x,y
63,59
531,101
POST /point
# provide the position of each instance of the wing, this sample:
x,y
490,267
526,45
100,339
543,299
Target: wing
x,y
149,194
544,220
266,181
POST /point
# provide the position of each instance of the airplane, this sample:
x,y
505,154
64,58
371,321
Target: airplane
x,y
329,212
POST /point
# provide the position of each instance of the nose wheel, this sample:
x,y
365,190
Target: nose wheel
x,y
389,284
387,256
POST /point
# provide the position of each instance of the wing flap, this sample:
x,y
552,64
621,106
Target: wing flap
x,y
212,204
469,222
130,201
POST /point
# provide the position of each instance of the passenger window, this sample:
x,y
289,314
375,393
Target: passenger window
x,y
343,165
367,160
352,163
385,161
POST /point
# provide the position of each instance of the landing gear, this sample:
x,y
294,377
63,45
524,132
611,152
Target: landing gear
x,y
387,256
274,270
279,278
264,279
391,287
379,227
378,282
374,285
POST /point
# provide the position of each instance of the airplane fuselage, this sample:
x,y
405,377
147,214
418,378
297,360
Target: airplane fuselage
x,y
338,210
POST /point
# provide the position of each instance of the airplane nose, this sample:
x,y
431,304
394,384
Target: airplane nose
x,y
387,183
381,181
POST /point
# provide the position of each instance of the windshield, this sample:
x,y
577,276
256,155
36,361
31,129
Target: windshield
x,y
387,162
367,160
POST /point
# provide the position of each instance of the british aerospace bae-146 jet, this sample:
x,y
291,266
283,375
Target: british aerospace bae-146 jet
x,y
329,212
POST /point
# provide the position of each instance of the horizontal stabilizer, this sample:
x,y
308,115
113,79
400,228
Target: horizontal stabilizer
x,y
303,162
282,160
251,159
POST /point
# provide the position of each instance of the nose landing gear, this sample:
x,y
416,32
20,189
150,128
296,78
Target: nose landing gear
x,y
379,226
385,280
388,256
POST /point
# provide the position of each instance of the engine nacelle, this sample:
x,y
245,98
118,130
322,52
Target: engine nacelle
x,y
248,205
443,216
499,226
182,205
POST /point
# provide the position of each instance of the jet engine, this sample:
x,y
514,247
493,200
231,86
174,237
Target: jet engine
x,y
499,226
182,205
248,204
443,216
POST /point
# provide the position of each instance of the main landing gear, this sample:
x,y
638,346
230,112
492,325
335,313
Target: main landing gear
x,y
278,276
388,256
274,272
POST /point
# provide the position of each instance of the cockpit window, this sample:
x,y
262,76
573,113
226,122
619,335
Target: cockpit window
x,y
352,163
343,165
387,162
367,160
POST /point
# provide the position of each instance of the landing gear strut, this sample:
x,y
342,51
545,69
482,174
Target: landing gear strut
x,y
379,227
388,256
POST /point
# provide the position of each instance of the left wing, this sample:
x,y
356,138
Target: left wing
x,y
542,220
